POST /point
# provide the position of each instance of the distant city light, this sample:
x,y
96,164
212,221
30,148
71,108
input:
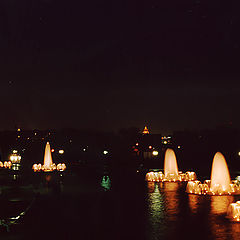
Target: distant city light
x,y
14,151
84,149
19,130
238,153
150,147
136,144
165,142
179,147
155,153
52,150
105,152
61,151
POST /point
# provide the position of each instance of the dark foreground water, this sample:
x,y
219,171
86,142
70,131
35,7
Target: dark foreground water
x,y
88,205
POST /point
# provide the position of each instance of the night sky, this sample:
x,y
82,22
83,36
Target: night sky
x,y
111,64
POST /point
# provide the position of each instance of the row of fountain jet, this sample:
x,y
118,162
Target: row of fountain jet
x,y
220,183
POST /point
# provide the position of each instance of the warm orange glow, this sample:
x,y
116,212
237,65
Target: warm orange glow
x,y
220,183
160,177
6,164
154,177
170,165
61,167
193,202
47,157
220,178
171,173
48,164
234,211
15,158
220,204
145,130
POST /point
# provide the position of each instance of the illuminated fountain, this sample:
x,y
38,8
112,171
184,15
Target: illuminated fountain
x,y
220,183
48,165
171,173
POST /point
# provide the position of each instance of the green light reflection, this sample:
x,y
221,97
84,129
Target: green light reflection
x,y
106,183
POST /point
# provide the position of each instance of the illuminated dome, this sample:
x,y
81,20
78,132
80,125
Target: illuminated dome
x,y
145,130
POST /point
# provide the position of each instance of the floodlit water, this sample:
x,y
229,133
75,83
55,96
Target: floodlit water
x,y
101,207
173,214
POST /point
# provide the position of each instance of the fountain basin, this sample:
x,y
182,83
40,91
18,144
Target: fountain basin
x,y
196,187
180,177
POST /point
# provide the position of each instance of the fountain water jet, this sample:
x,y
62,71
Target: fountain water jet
x,y
171,173
220,177
47,162
170,165
220,183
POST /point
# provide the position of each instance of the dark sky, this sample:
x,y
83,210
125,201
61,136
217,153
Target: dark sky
x,y
110,64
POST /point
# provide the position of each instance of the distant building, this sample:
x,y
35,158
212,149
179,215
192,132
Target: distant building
x,y
145,130
148,147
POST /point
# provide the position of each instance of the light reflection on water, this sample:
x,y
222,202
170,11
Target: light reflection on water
x,y
220,226
155,211
173,214
170,191
163,208
106,183
193,201
219,204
